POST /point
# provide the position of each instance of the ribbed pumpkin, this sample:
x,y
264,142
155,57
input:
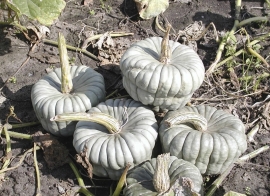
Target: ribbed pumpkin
x,y
141,179
48,99
131,142
212,145
168,85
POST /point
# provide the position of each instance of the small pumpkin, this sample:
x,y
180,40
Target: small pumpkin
x,y
66,89
48,100
162,77
144,179
209,138
129,139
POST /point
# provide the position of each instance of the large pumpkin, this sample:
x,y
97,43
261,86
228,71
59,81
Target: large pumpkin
x,y
48,99
132,142
152,82
209,138
140,180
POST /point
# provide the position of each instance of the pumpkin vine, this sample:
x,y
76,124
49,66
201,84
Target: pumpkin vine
x,y
66,79
197,120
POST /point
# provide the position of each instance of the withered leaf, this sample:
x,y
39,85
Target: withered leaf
x,y
55,153
83,160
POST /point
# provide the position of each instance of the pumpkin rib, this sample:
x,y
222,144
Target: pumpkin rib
x,y
186,170
118,110
137,131
155,43
242,145
191,144
111,154
120,156
189,138
143,144
206,149
231,154
86,82
141,76
135,151
214,155
60,105
153,85
80,101
223,153
95,149
181,141
103,158
126,151
135,118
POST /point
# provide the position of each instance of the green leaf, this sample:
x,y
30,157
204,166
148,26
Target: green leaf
x,y
232,193
151,8
45,11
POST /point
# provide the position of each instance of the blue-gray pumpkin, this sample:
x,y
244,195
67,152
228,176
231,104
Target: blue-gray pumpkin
x,y
168,86
213,146
140,179
131,143
48,100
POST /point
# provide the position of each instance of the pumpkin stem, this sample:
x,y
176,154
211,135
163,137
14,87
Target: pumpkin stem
x,y
165,47
161,179
66,80
197,120
106,120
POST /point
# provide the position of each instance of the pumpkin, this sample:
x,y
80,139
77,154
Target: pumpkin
x,y
141,180
66,89
167,85
48,99
209,138
130,138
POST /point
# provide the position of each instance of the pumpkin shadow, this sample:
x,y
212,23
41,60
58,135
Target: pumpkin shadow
x,y
21,100
128,8
5,43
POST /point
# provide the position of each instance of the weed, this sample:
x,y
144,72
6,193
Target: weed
x,y
92,12
105,7
13,80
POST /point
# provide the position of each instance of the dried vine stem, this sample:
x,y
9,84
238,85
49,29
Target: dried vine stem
x,y
165,47
241,160
197,120
112,124
121,181
66,79
161,178
227,37
38,192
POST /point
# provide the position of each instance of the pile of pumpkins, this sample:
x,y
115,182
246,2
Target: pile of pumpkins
x,y
200,139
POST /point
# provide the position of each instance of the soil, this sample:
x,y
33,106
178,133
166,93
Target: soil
x,y
223,89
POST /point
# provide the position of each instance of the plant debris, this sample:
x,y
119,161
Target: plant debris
x,y
55,153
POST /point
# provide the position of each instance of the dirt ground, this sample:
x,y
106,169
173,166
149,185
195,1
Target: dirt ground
x,y
78,22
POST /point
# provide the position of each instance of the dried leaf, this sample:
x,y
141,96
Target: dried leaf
x,y
82,159
55,153
183,186
234,79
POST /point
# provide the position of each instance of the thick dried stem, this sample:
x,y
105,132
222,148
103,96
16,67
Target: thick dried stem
x,y
165,48
198,121
161,179
106,120
66,80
